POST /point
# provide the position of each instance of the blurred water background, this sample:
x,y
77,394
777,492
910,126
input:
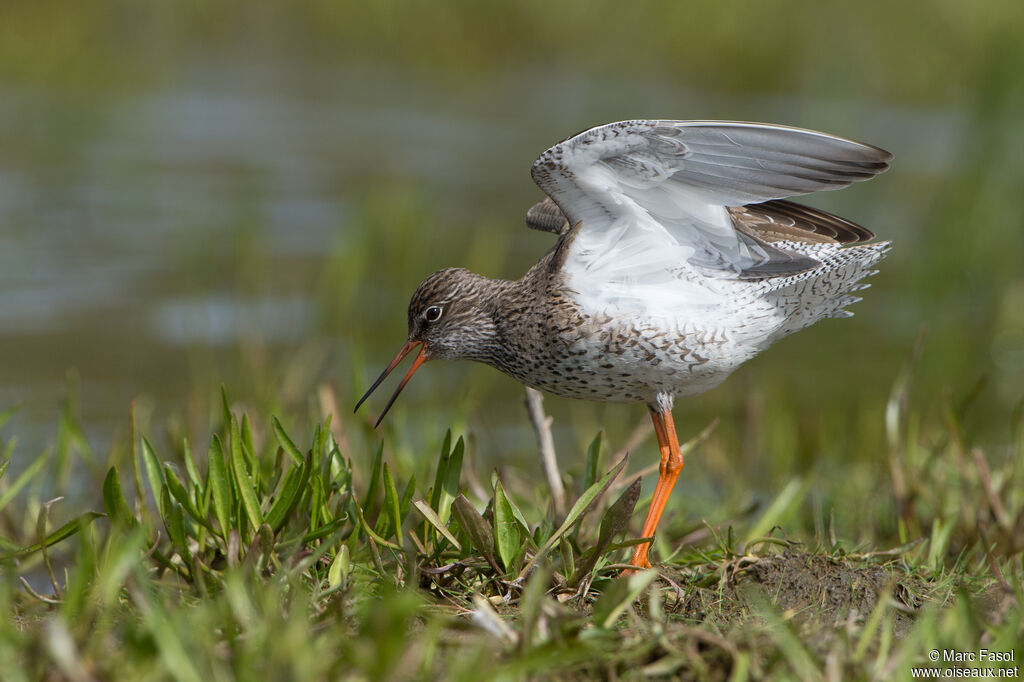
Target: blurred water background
x,y
196,194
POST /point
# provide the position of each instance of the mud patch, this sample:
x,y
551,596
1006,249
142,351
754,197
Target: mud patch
x,y
810,588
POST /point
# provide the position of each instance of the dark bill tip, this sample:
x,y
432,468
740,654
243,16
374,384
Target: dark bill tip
x,y
409,345
405,350
420,359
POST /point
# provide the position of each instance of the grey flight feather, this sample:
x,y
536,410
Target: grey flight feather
x,y
683,175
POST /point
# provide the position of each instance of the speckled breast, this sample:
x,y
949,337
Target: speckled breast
x,y
604,359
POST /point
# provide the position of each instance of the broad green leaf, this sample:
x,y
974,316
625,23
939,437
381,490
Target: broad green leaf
x,y
339,567
434,520
475,526
190,464
223,500
442,470
506,529
578,510
286,443
243,483
453,475
520,518
174,522
248,449
153,470
114,502
568,561
179,493
294,484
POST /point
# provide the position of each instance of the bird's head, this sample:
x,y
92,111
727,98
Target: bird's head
x,y
448,318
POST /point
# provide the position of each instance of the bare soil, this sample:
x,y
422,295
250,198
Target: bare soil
x,y
810,588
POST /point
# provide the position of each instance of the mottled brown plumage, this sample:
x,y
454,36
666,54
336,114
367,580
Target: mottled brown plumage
x,y
676,261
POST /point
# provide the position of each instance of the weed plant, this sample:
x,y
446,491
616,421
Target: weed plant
x,y
263,559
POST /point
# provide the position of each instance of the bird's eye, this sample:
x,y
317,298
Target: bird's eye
x,y
432,314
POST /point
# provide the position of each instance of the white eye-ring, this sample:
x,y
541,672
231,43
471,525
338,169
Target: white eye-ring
x,y
432,314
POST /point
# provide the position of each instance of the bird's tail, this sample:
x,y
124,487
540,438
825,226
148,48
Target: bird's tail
x,y
826,291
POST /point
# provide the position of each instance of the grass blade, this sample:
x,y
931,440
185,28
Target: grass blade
x,y
225,406
21,481
452,477
593,457
174,522
190,463
286,443
154,472
392,504
578,510
223,500
442,470
619,595
781,508
371,489
476,527
614,521
179,493
291,490
431,517
531,605
249,449
506,529
517,514
114,502
365,527
62,533
243,482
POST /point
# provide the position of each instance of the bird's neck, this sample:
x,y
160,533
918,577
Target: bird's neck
x,y
510,308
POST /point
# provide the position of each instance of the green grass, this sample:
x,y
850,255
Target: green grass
x,y
265,555
823,530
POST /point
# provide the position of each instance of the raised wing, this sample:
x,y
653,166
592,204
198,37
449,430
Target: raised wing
x,y
655,195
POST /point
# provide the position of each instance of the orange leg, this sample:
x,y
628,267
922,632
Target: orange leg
x,y
671,465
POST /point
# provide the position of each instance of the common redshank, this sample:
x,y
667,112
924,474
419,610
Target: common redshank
x,y
676,261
